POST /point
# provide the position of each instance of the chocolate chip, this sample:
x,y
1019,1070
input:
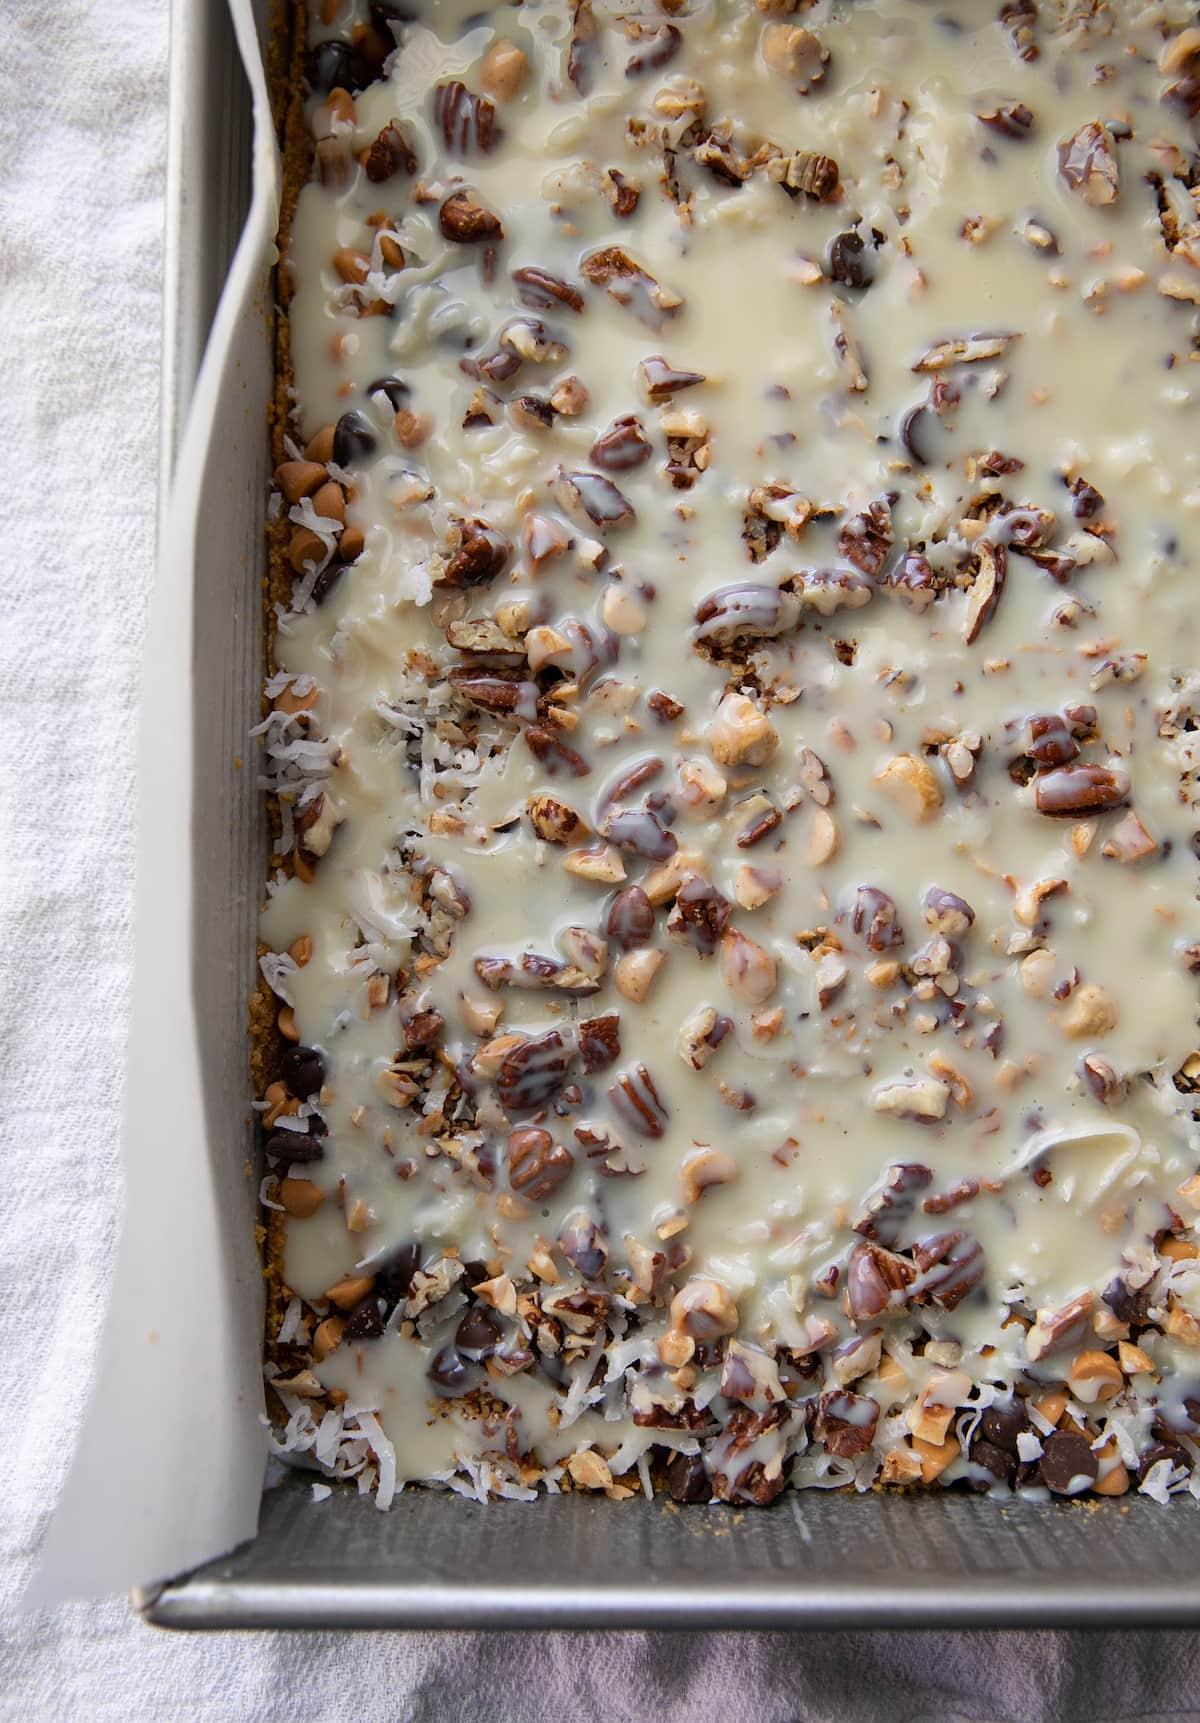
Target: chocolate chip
x,y
326,581
1001,1425
847,260
687,1479
394,1276
365,1321
478,1331
1066,1459
451,1371
396,392
353,439
294,1146
1129,1304
1162,1451
330,67
995,1461
303,1070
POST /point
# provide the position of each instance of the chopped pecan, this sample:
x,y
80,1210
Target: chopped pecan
x,y
701,1035
493,692
951,1265
595,498
631,285
581,55
846,1422
873,1276
467,122
991,563
1087,163
622,446
655,48
599,1042
391,153
865,539
637,1102
887,1208
623,195
630,920
554,755
913,580
534,1071
537,1165
746,610
541,291
808,172
661,380
480,555
874,916
1010,119
1080,789
700,915
464,219
965,350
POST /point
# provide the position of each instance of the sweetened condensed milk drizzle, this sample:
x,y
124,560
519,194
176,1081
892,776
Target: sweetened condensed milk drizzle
x,y
735,915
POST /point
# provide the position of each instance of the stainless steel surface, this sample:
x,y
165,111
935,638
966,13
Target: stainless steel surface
x,y
208,192
812,1560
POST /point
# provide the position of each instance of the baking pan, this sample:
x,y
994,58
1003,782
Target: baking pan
x,y
811,1560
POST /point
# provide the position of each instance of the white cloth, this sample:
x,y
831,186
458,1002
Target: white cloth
x,y
82,131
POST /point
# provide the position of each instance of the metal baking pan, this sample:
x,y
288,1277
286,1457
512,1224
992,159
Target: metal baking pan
x,y
811,1560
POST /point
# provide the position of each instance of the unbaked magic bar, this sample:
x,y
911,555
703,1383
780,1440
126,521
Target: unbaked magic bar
x,y
732,732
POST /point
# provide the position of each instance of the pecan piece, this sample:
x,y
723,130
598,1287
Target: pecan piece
x,y
700,916
873,1276
390,154
874,916
599,1042
581,55
554,755
951,1265
533,1072
631,285
636,1100
965,350
541,291
1080,789
1009,119
638,832
622,446
887,1208
866,538
595,498
986,589
747,610
467,122
630,921
464,219
807,172
656,49
912,579
537,1165
492,692
660,380
481,554
1087,163
846,1422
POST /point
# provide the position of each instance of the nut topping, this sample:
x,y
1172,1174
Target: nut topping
x,y
464,219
